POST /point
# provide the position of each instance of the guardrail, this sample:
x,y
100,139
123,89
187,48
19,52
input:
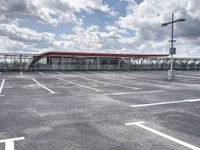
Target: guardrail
x,y
22,63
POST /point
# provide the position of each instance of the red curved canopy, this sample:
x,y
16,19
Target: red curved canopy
x,y
37,58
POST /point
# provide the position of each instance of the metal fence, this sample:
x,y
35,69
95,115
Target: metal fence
x,y
16,62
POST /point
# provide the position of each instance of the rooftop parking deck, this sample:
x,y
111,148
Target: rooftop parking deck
x,y
100,110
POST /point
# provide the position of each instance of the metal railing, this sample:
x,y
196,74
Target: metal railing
x,y
16,62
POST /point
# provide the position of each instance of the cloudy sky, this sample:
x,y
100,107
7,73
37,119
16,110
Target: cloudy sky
x,y
112,26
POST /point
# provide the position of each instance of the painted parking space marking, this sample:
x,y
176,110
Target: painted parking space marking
x,y
60,73
9,143
139,76
119,85
187,84
158,85
84,86
2,85
52,92
140,124
78,73
41,73
165,103
194,77
127,93
147,81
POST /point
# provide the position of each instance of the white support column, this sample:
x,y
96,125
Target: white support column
x,y
98,63
119,63
5,62
9,143
20,59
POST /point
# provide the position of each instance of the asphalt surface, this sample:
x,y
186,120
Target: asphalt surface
x,y
89,110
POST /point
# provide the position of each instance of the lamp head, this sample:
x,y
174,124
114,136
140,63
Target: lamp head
x,y
181,19
164,24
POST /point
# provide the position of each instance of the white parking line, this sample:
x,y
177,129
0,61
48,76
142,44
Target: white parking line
x,y
9,143
165,103
119,85
44,86
78,72
1,87
127,77
194,77
140,76
146,82
140,124
21,73
41,73
158,85
60,73
80,85
126,93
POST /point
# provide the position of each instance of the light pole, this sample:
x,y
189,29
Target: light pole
x,y
172,51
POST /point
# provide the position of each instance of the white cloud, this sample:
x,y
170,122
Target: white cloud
x,y
49,11
89,39
116,29
24,34
24,40
9,46
139,31
105,8
145,18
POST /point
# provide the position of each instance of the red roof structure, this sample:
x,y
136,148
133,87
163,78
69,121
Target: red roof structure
x,y
46,54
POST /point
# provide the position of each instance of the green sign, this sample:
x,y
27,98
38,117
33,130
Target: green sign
x,y
172,51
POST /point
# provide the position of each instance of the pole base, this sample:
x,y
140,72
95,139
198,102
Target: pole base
x,y
171,75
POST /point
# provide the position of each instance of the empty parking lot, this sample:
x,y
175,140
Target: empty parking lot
x,y
99,110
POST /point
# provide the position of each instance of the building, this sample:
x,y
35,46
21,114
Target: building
x,y
67,61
